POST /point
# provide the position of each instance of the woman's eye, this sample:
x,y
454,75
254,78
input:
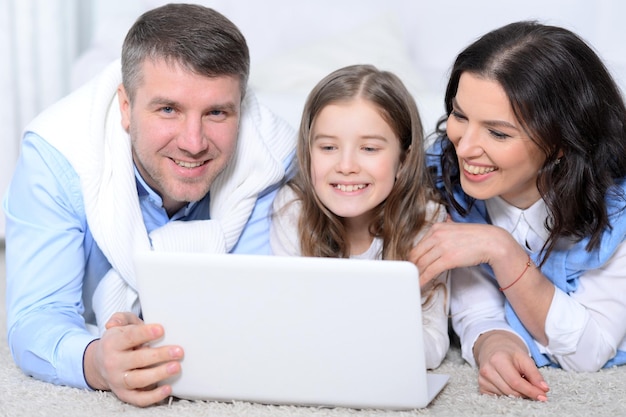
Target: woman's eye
x,y
457,115
498,135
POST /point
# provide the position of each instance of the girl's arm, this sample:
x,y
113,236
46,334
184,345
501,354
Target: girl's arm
x,y
284,235
435,307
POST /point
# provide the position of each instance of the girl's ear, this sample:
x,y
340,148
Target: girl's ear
x,y
403,159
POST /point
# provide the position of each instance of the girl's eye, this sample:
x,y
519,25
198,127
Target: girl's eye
x,y
369,149
327,147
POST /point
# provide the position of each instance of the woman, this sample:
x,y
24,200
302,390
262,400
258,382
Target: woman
x,y
533,163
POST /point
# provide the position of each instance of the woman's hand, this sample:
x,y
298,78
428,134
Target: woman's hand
x,y
505,367
448,245
122,361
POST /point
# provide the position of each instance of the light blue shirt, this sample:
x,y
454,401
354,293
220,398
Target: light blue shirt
x,y
54,265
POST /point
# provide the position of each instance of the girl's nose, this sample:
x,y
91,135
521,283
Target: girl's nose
x,y
347,163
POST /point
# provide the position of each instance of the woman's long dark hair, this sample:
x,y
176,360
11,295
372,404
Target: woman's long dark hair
x,y
569,105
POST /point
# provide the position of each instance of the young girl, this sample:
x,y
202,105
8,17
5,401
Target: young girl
x,y
361,190
533,162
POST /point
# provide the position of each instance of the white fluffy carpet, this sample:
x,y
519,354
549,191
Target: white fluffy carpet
x,y
598,394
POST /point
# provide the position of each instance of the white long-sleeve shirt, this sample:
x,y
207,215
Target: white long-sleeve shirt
x,y
584,328
284,241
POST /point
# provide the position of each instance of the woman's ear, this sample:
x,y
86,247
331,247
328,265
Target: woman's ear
x,y
558,157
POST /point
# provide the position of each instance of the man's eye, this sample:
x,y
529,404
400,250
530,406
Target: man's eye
x,y
167,109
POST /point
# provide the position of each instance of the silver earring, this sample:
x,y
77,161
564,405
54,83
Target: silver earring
x,y
558,161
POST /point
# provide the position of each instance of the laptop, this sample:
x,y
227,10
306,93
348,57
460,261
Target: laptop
x,y
290,330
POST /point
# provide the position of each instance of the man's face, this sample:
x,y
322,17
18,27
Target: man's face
x,y
183,129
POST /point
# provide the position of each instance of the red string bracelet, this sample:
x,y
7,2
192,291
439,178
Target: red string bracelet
x,y
518,278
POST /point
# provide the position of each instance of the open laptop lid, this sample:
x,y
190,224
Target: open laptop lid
x,y
291,330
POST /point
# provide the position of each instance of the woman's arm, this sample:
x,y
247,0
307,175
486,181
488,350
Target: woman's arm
x,y
586,327
452,245
487,341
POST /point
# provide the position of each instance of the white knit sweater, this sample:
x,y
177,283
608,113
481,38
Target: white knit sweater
x,y
85,127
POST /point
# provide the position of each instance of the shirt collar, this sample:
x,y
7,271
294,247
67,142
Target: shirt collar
x,y
517,221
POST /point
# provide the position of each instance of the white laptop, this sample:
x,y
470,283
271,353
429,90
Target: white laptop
x,y
291,330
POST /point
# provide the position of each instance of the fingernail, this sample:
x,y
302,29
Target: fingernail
x,y
176,352
172,368
157,331
544,385
542,398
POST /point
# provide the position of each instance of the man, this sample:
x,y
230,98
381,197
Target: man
x,y
177,157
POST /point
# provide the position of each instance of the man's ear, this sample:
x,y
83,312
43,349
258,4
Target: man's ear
x,y
124,103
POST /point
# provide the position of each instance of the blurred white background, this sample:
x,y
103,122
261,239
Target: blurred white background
x,y
50,47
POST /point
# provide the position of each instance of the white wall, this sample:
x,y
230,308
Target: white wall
x,y
39,42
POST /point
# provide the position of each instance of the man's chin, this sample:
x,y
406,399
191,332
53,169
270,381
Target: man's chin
x,y
182,198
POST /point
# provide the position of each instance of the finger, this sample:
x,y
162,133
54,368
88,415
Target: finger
x,y
491,382
133,336
533,385
145,367
122,319
146,378
144,398
431,265
485,386
150,357
514,382
532,375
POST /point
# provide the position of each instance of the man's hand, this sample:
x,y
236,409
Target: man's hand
x,y
122,361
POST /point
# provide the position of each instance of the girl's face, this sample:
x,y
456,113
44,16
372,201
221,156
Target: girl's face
x,y
496,157
355,157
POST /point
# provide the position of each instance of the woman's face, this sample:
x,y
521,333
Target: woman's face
x,y
496,157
